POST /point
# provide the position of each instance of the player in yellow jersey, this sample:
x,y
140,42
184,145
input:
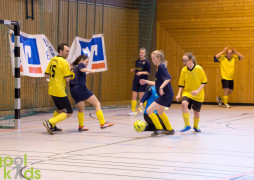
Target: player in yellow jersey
x,y
227,66
58,72
191,88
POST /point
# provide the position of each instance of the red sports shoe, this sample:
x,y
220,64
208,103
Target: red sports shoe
x,y
103,126
80,129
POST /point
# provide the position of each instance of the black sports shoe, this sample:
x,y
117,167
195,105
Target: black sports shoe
x,y
167,132
157,132
56,129
48,126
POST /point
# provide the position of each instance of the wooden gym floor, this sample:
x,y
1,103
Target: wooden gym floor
x,y
224,150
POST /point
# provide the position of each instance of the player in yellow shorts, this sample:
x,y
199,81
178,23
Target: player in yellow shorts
x,y
58,72
227,66
191,88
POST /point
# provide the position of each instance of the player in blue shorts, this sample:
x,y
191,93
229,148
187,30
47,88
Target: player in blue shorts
x,y
165,92
142,70
150,96
80,93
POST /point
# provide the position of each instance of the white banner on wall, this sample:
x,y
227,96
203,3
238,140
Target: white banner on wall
x,y
95,50
36,52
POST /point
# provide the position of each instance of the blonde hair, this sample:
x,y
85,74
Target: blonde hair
x,y
160,54
190,57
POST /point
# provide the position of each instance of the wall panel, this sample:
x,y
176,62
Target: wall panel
x,y
115,83
205,28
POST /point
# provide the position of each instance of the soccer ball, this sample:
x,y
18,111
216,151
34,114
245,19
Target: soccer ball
x,y
139,126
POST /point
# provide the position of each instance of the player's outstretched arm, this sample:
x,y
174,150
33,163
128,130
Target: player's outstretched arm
x,y
144,81
87,70
238,54
142,73
219,54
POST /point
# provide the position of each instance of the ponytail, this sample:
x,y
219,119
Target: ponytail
x,y
79,59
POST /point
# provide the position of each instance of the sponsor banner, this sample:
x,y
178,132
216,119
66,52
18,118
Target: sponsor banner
x,y
35,53
95,50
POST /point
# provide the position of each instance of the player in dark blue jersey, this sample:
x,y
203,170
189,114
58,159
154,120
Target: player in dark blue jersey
x,y
80,93
165,92
150,96
142,70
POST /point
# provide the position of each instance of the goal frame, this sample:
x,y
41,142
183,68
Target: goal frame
x,y
17,104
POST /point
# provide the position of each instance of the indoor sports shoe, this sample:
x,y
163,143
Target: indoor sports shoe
x,y
227,106
219,100
80,129
48,126
167,132
197,129
56,129
157,132
131,113
106,125
186,128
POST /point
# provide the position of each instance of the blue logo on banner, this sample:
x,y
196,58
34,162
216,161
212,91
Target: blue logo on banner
x,y
30,50
95,47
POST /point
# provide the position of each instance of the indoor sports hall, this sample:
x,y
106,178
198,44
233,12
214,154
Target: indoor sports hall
x,y
111,33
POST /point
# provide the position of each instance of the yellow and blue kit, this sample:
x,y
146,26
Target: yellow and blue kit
x,y
78,89
140,65
162,75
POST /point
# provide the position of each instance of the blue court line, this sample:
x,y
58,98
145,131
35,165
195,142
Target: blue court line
x,y
237,176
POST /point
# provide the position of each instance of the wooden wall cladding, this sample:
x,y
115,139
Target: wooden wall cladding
x,y
205,28
121,49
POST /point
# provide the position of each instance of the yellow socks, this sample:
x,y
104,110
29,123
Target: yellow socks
x,y
100,116
166,121
81,119
133,106
57,119
145,104
225,99
186,118
196,122
55,114
156,121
